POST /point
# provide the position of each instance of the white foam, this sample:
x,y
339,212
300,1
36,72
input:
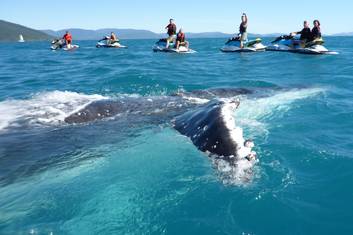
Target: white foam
x,y
279,102
251,113
239,174
48,108
254,114
196,100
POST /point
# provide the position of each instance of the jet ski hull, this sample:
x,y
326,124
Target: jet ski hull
x,y
293,45
238,49
114,45
161,46
183,50
251,46
72,48
58,44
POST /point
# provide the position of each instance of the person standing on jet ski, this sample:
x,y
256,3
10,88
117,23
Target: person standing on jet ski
x,y
171,32
68,39
242,30
305,34
180,41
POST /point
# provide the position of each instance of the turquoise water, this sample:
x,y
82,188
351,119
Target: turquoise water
x,y
134,175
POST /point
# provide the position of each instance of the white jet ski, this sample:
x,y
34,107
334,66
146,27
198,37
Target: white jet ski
x,y
161,46
58,44
233,45
106,43
288,43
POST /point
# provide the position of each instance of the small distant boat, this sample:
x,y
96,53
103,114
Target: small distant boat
x,y
21,38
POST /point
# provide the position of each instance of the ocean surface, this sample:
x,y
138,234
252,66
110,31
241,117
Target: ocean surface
x,y
137,175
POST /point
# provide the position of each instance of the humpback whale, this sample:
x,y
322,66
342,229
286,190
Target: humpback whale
x,y
212,130
210,125
170,105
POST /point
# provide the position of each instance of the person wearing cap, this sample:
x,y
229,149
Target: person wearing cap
x,y
243,30
171,27
180,41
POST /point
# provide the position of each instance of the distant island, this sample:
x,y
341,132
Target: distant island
x,y
10,32
84,34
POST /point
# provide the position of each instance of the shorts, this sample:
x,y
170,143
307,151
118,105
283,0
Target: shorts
x,y
244,37
171,38
182,43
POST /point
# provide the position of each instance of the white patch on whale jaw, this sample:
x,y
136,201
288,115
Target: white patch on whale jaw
x,y
237,169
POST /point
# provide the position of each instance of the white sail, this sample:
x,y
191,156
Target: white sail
x,y
21,38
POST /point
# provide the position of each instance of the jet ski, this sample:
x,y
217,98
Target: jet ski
x,y
161,46
58,44
290,43
106,43
233,45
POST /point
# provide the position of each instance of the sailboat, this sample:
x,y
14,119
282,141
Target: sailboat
x,y
21,38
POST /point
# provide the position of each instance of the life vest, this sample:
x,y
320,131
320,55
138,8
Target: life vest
x,y
68,37
181,37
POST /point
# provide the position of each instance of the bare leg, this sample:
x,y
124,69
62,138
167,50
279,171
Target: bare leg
x,y
168,39
177,45
68,45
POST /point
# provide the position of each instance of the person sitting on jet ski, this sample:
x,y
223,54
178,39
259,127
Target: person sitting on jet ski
x,y
316,31
180,41
305,33
68,39
171,32
242,30
113,38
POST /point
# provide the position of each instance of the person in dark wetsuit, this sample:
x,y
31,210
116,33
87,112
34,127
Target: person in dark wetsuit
x,y
180,41
171,27
316,31
305,33
243,30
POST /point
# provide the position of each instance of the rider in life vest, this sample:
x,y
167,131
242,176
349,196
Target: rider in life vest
x,y
68,39
180,41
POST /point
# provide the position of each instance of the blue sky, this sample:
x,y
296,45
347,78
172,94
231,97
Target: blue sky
x,y
265,16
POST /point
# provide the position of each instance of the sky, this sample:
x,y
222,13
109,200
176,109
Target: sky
x,y
265,16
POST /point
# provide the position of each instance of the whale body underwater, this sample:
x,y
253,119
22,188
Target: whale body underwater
x,y
204,116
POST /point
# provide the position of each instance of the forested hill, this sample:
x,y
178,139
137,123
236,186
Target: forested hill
x,y
10,32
